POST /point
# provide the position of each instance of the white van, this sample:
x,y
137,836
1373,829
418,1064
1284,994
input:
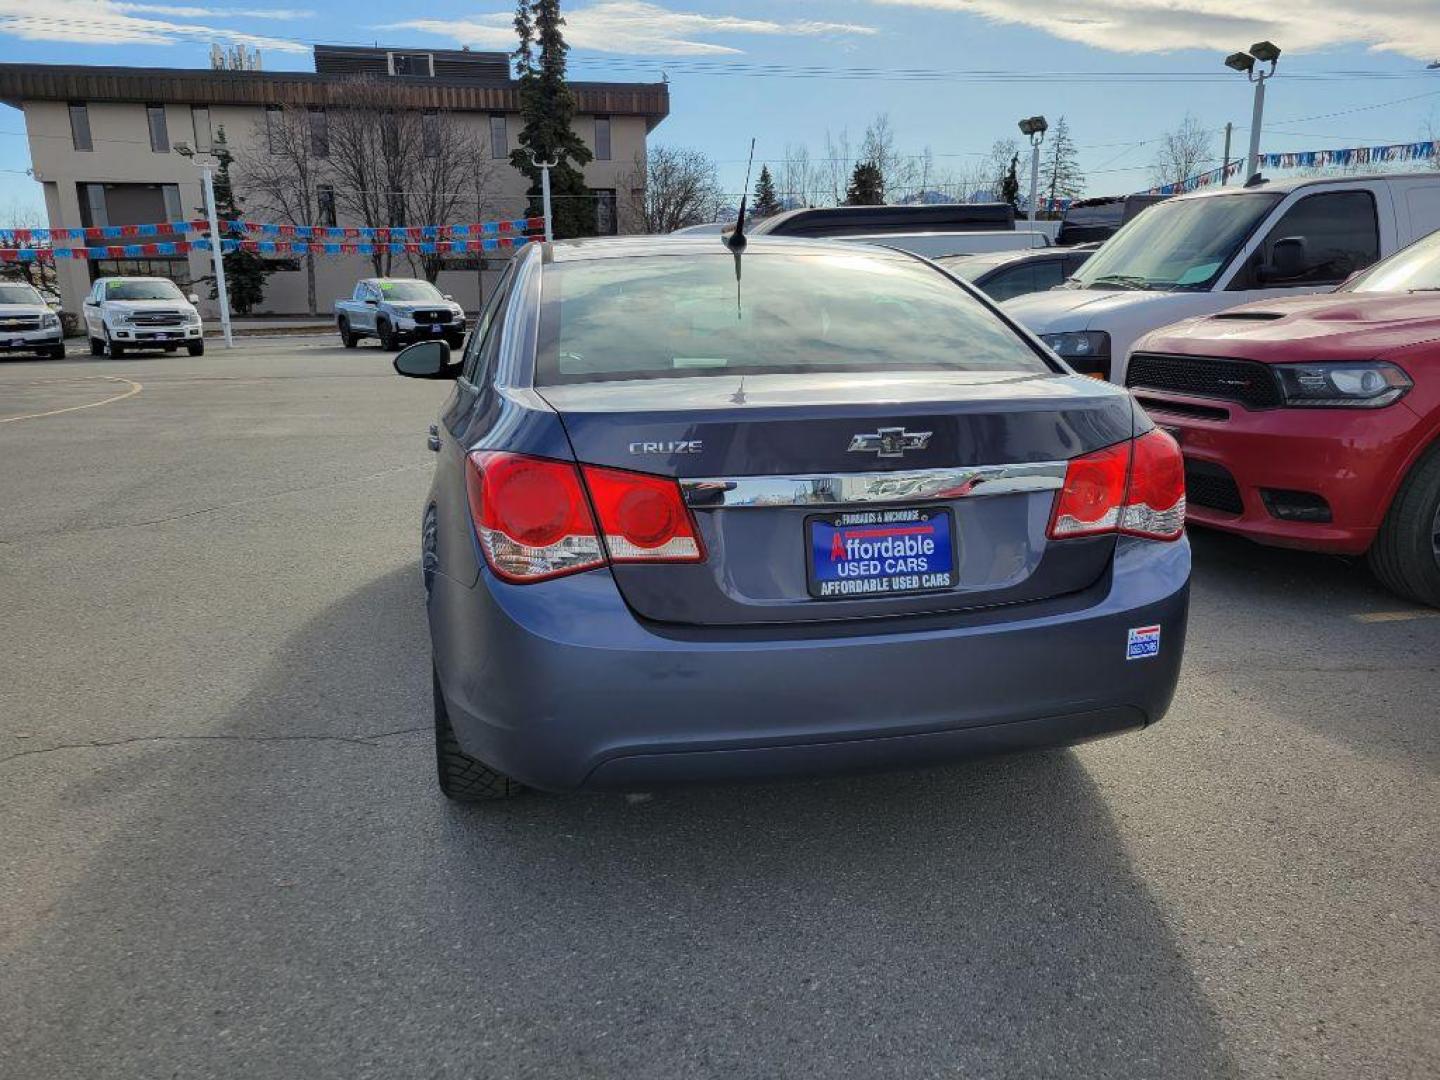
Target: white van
x,y
937,245
1201,253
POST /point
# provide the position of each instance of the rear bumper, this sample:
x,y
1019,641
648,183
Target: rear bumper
x,y
1350,458
560,686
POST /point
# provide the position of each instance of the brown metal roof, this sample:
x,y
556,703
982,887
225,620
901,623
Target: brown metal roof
x,y
199,86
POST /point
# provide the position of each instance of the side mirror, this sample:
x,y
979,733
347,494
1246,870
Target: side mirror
x,y
193,298
426,360
447,296
1288,260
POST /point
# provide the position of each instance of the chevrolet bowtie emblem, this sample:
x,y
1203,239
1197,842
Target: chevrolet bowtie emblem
x,y
890,442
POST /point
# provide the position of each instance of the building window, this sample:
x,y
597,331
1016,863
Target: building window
x,y
200,117
80,126
602,138
430,133
319,133
325,196
159,137
499,138
606,221
174,209
411,64
273,120
93,208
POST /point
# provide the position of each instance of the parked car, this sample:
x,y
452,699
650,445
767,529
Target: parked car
x,y
935,245
1314,422
1205,252
1005,274
398,310
812,507
1093,221
27,323
125,313
829,221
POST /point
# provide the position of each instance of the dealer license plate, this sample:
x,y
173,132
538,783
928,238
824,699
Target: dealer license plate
x,y
880,553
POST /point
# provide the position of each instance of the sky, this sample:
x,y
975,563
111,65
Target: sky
x,y
951,75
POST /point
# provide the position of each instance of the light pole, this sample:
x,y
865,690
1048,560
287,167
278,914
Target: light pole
x,y
545,167
1264,52
206,165
1034,128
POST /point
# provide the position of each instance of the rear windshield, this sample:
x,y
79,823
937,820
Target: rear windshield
x,y
681,316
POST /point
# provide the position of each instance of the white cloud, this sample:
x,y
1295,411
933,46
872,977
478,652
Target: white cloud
x,y
632,26
1408,27
282,14
105,22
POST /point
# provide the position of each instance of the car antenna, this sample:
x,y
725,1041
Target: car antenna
x,y
735,239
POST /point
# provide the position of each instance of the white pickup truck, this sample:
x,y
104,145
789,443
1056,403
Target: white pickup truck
x,y
124,313
27,324
1204,252
399,311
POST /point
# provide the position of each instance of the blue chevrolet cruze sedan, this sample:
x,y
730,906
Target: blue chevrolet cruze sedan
x,y
706,513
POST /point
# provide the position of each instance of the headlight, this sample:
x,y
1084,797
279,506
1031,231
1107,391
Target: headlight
x,y
1369,384
192,318
49,321
1087,351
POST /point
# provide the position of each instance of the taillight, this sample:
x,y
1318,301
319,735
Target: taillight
x,y
1155,506
534,519
1135,487
642,517
531,515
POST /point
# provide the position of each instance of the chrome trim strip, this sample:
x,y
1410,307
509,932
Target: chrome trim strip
x,y
841,489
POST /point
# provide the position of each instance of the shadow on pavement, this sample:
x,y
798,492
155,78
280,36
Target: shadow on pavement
x,y
313,908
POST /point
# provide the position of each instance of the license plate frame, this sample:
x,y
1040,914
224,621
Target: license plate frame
x,y
876,526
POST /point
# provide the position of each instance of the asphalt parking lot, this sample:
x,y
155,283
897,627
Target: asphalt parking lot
x,y
224,855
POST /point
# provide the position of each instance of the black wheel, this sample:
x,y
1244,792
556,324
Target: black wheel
x,y
388,341
1406,553
347,337
456,341
195,348
115,349
462,777
97,347
55,352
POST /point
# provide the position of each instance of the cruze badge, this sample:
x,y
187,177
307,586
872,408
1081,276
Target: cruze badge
x,y
683,446
889,442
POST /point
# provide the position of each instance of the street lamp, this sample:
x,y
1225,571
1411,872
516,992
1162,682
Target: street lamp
x,y
1034,128
1262,52
206,165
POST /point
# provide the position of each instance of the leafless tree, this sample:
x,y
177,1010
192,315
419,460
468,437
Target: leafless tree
x,y
997,165
41,275
837,166
1183,152
280,172
799,180
681,187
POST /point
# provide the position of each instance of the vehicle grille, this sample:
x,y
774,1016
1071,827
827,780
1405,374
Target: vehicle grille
x,y
156,318
1211,485
1243,381
20,322
432,316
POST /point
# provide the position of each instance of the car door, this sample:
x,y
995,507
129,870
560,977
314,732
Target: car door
x,y
1330,234
364,314
94,326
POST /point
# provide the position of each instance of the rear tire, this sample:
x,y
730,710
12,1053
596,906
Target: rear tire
x,y
348,338
388,341
97,347
462,777
195,348
1406,553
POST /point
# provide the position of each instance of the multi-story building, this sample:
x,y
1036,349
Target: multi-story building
x,y
103,145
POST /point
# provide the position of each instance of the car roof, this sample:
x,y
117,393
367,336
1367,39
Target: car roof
x,y
128,277
1292,183
621,247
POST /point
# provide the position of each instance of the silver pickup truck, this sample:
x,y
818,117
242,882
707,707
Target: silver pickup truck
x,y
27,324
398,311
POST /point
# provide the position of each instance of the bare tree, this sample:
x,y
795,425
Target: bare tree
x,y
837,166
799,179
41,275
281,173
997,165
681,187
454,177
1183,152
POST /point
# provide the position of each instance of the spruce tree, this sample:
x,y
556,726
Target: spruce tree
x,y
245,271
547,106
1010,183
867,186
766,202
1060,176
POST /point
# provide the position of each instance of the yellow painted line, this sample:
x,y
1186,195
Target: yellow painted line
x,y
1396,616
135,388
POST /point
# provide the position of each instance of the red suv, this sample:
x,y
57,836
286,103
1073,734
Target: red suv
x,y
1314,422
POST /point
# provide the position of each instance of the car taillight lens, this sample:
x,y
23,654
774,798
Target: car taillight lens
x,y
642,517
531,515
534,519
1135,487
1155,505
